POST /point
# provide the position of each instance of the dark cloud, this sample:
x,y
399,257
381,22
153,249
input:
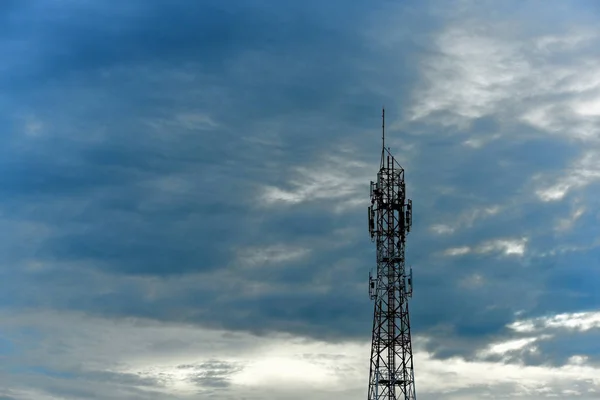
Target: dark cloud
x,y
158,128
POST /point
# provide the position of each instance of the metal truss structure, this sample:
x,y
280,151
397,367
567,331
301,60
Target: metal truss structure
x,y
390,216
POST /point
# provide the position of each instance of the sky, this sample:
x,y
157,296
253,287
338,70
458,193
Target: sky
x,y
184,187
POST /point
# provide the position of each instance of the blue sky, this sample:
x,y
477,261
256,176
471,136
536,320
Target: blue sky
x,y
184,189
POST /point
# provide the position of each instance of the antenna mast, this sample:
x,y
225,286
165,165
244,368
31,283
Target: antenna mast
x,y
382,136
391,374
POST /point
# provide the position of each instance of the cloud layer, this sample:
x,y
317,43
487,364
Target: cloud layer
x,y
184,190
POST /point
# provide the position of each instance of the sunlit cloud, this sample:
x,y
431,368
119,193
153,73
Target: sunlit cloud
x,y
271,255
457,251
583,321
582,173
507,247
565,224
502,348
442,229
339,180
184,360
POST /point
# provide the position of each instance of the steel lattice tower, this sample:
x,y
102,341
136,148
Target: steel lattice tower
x,y
390,216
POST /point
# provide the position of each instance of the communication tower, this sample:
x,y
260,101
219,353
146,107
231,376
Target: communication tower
x,y
391,373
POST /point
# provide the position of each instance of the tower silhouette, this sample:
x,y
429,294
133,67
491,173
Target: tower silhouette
x,y
391,373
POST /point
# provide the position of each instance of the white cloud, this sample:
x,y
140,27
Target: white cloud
x,y
590,108
341,181
482,69
583,172
276,254
473,281
578,360
506,246
524,381
469,76
583,321
442,229
457,251
477,142
466,219
553,43
502,348
173,354
522,326
565,224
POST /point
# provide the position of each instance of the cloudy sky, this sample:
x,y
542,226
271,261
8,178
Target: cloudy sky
x,y
184,188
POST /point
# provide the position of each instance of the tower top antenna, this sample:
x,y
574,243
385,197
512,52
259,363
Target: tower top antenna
x,y
383,126
382,134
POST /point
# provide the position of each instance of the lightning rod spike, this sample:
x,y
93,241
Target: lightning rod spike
x,y
383,126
